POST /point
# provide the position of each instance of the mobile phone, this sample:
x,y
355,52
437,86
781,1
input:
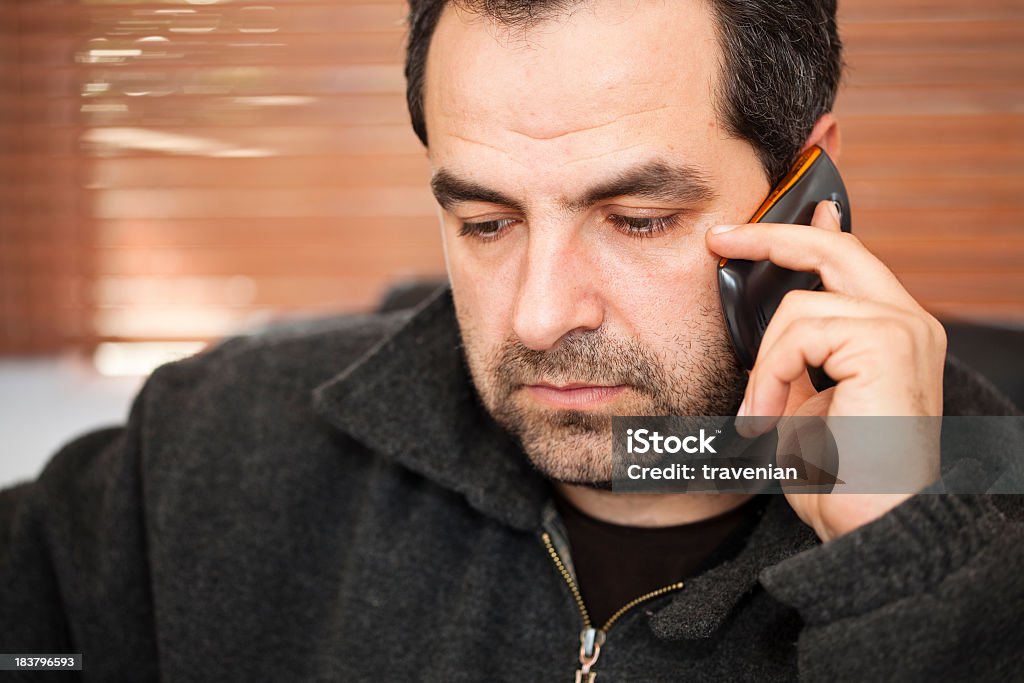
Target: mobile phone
x,y
751,291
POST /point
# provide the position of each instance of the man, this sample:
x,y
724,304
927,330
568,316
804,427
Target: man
x,y
423,496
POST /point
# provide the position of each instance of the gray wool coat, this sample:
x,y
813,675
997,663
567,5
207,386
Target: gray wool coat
x,y
331,503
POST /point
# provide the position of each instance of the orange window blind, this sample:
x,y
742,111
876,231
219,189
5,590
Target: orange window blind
x,y
176,170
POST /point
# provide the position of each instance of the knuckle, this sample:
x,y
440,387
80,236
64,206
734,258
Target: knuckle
x,y
937,333
850,245
851,239
930,331
807,329
920,327
790,332
793,301
901,332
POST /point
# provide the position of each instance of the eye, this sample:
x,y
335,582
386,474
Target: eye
x,y
486,230
643,226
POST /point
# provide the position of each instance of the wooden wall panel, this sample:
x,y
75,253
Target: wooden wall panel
x,y
932,112
172,170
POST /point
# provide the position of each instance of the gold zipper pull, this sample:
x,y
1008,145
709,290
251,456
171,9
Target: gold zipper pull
x,y
591,640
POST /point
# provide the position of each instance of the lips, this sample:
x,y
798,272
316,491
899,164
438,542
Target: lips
x,y
574,395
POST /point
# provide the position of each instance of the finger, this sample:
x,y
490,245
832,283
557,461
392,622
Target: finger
x,y
843,262
831,343
802,303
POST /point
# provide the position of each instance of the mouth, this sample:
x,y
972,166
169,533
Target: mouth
x,y
574,395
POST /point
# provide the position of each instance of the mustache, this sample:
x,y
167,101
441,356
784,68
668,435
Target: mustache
x,y
591,357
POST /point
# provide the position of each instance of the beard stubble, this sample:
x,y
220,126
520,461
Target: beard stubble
x,y
575,446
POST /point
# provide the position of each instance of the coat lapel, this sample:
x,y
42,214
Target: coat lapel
x,y
411,399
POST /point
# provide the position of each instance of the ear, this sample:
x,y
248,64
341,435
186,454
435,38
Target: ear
x,y
825,134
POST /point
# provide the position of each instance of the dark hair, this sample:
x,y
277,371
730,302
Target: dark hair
x,y
782,62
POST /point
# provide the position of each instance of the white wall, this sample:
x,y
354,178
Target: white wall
x,y
46,402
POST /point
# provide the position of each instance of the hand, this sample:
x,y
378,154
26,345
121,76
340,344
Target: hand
x,y
885,352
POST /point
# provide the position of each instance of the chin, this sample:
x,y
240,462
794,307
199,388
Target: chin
x,y
571,453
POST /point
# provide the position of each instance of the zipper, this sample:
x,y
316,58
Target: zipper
x,y
591,639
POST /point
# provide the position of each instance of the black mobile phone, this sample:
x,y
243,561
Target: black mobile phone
x,y
751,291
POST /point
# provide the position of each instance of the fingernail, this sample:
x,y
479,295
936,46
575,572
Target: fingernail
x,y
742,412
837,211
719,229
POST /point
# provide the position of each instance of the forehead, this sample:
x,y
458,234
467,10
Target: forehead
x,y
602,79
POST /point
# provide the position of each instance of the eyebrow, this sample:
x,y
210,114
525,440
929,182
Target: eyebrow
x,y
656,180
449,190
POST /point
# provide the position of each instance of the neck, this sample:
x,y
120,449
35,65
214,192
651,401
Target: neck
x,y
650,509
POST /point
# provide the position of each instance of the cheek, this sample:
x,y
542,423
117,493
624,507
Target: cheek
x,y
483,287
663,287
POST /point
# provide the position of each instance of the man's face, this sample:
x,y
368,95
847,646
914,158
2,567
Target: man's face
x,y
578,165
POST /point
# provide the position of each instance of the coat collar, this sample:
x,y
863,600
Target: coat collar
x,y
701,608
411,399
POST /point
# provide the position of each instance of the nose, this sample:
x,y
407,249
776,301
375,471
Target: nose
x,y
558,290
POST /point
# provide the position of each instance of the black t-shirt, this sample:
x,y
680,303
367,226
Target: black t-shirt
x,y
615,564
